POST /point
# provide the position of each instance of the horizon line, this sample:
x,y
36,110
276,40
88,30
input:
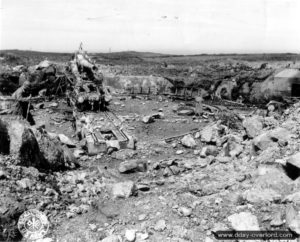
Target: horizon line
x,y
154,52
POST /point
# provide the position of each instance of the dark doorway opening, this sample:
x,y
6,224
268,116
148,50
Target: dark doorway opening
x,y
295,90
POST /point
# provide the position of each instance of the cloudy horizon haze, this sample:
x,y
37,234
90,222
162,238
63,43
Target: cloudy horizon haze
x,y
169,26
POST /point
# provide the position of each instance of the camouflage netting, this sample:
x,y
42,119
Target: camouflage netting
x,y
79,79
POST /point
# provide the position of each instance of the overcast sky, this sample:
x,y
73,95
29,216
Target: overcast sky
x,y
168,26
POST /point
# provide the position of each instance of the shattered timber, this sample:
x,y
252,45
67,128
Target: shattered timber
x,y
144,147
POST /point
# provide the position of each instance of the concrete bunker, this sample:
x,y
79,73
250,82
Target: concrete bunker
x,y
287,82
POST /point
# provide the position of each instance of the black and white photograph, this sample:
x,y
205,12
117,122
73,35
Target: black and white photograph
x,y
150,120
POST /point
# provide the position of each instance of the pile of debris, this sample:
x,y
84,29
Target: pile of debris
x,y
222,81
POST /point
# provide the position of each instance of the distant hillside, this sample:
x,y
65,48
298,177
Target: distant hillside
x,y
28,57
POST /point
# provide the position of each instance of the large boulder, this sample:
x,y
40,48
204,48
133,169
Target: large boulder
x,y
22,142
33,148
253,126
30,154
57,156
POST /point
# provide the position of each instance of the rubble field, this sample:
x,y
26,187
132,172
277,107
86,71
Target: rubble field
x,y
179,176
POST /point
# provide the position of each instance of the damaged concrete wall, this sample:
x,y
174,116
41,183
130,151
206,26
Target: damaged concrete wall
x,y
286,83
140,84
225,89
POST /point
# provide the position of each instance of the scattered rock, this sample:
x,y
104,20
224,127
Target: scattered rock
x,y
186,112
3,174
292,219
25,183
188,141
294,198
124,154
186,212
201,162
278,136
160,225
158,115
261,196
179,152
294,160
123,189
233,148
294,225
148,119
271,122
66,140
269,155
111,238
127,166
207,239
132,165
209,150
277,220
130,235
53,105
56,156
140,237
244,221
78,153
223,159
253,126
142,217
212,133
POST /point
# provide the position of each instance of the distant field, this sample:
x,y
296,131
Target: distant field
x,y
16,57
